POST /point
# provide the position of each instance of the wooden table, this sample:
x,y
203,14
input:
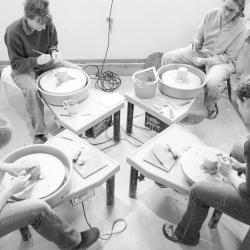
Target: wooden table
x,y
70,143
179,139
92,111
158,119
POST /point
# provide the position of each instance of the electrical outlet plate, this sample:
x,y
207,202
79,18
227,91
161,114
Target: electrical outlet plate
x,y
83,197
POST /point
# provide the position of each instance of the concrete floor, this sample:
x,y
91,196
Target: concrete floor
x,y
153,206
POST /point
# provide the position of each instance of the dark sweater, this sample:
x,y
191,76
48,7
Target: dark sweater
x,y
20,42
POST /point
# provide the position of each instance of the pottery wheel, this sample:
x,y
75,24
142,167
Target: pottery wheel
x,y
49,82
192,160
52,171
170,78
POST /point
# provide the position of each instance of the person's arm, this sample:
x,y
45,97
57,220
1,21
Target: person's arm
x,y
5,194
235,180
244,187
232,53
198,38
225,168
16,53
53,40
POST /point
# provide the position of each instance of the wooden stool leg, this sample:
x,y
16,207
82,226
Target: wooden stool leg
x,y
130,113
110,190
25,232
117,126
229,89
133,182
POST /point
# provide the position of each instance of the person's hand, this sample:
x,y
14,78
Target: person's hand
x,y
201,61
214,60
237,166
57,55
224,165
195,45
17,184
16,168
43,59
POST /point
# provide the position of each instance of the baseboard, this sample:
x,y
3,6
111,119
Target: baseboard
x,y
122,67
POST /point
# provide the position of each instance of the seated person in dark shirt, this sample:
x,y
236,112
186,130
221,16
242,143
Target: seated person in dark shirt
x,y
34,212
32,48
232,198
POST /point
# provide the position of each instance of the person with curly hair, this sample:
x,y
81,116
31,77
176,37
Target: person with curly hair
x,y
32,48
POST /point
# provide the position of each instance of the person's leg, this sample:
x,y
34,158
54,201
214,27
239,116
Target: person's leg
x,y
42,218
215,78
33,103
182,55
223,197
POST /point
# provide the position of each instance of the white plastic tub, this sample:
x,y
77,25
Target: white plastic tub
x,y
145,83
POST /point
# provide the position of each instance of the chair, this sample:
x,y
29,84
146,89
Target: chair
x,y
6,82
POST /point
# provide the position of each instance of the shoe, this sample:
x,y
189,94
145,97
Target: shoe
x,y
212,114
169,232
89,237
39,139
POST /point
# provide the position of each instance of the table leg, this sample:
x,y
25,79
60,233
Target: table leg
x,y
133,182
110,190
130,114
117,126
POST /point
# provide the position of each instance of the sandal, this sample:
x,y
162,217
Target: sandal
x,y
169,232
213,113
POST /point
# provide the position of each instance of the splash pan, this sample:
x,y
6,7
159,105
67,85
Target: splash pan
x,y
56,170
54,91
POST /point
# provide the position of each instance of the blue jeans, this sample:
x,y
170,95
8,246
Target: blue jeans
x,y
223,197
42,218
33,103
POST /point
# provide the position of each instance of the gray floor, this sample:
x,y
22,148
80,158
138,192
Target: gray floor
x,y
146,214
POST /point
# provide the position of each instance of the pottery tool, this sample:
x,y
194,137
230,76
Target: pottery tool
x,y
40,53
175,156
66,138
77,155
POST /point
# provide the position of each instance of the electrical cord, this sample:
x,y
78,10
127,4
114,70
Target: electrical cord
x,y
108,235
106,81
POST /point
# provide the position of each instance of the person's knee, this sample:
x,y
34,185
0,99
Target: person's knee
x,y
198,189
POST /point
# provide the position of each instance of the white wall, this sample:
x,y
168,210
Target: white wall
x,y
140,26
